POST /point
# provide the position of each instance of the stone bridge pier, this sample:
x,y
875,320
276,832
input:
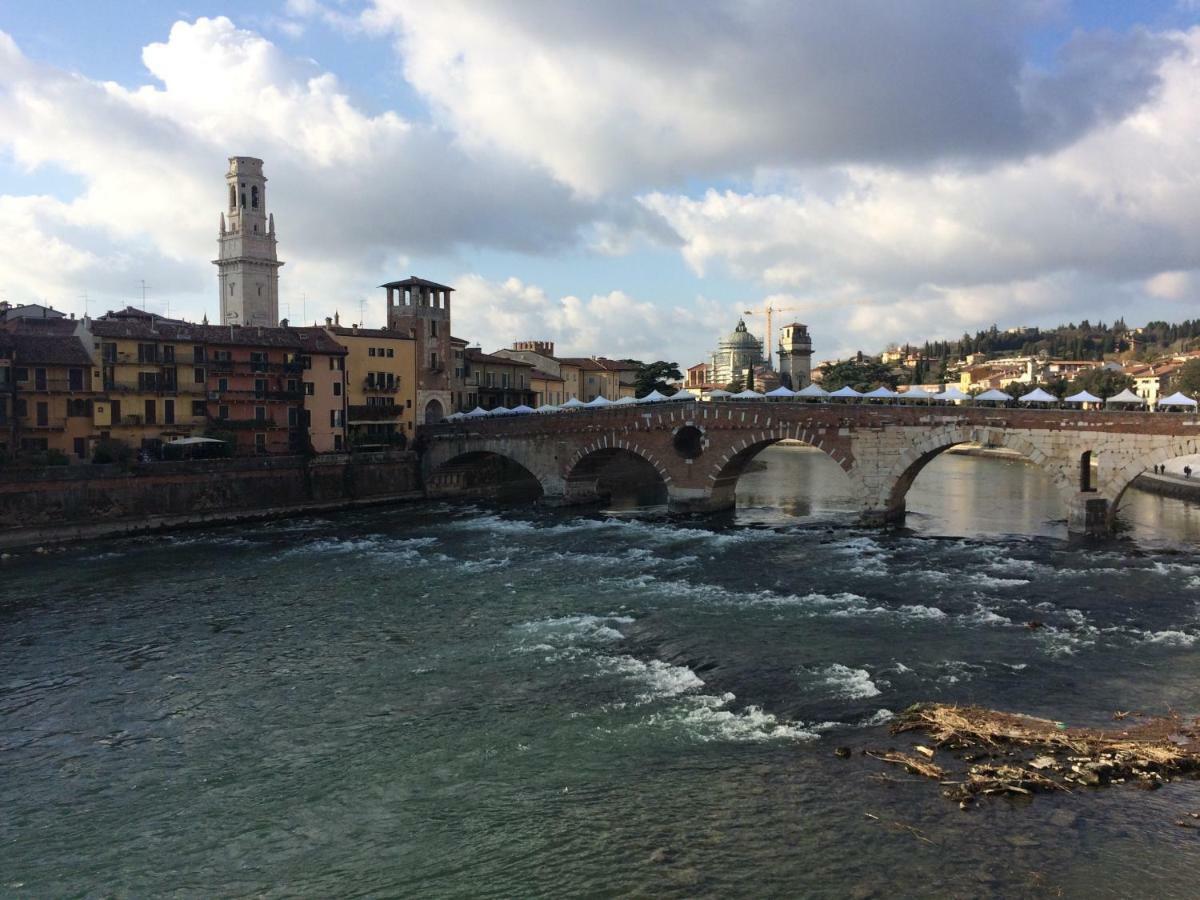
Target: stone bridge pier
x,y
700,450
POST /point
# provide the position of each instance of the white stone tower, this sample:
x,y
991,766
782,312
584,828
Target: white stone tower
x,y
247,263
795,356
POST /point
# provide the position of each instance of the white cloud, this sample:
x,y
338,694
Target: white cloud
x,y
349,190
612,324
626,93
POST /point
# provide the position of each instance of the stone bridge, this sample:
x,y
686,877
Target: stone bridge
x,y
699,449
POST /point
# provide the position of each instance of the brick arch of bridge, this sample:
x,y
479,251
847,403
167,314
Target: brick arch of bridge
x,y
888,486
445,454
581,471
741,447
1119,469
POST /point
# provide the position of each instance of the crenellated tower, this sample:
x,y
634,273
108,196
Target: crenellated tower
x,y
795,356
421,310
247,262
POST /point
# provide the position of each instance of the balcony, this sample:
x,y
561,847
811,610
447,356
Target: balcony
x,y
243,424
53,423
368,413
380,387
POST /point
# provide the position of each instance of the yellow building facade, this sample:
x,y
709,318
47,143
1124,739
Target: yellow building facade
x,y
381,383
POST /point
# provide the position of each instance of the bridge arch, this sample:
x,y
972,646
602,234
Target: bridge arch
x,y
594,469
888,487
1125,468
725,470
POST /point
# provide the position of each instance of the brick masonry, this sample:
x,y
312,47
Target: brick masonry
x,y
700,449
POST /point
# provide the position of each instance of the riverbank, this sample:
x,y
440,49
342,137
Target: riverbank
x,y
1175,486
70,503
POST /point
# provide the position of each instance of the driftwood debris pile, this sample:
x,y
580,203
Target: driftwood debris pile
x,y
1007,753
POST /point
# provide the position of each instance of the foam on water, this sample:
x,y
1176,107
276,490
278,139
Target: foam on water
x,y
707,718
584,628
847,683
658,680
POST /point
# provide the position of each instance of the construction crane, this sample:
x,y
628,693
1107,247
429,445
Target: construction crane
x,y
769,310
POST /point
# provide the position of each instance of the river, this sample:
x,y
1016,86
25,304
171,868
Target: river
x,y
465,701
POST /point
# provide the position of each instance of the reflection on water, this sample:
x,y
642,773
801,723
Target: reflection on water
x,y
956,494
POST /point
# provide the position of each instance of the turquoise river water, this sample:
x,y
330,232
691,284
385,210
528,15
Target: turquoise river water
x,y
441,700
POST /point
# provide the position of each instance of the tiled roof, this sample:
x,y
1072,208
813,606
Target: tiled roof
x,y
44,349
598,364
312,340
386,333
414,281
475,355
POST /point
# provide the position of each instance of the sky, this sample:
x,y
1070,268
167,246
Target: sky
x,y
623,178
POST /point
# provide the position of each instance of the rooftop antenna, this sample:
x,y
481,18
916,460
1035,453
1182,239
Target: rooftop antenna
x,y
362,323
85,304
304,308
144,287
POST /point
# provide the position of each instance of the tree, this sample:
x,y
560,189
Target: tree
x,y
654,376
736,386
862,376
1102,382
1188,378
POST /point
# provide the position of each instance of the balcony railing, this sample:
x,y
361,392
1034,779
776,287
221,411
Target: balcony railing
x,y
52,423
244,424
51,385
380,387
368,413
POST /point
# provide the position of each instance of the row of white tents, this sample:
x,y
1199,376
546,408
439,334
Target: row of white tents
x,y
1036,397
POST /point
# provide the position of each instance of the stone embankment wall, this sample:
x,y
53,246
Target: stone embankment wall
x,y
73,502
1175,486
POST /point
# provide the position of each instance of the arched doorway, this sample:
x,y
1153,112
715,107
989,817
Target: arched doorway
x,y
433,412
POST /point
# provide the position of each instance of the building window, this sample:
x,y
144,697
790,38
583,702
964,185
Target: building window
x,y
258,361
80,448
260,414
293,417
198,376
433,328
168,353
223,385
147,381
391,352
370,351
75,379
199,409
222,356
260,443
337,442
335,418
108,352
168,412
198,354
147,353
337,389
151,414
222,412
260,388
43,414
309,389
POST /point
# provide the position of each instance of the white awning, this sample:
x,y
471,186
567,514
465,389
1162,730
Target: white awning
x,y
1127,396
547,409
812,390
915,393
573,403
951,393
994,394
1177,399
781,391
1083,397
624,401
500,411
846,391
597,401
476,412
683,395
522,409
192,441
748,394
719,393
652,397
1037,395
880,393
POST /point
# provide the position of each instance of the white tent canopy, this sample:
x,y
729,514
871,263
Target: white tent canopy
x,y
1037,395
1127,396
573,403
812,390
652,397
951,393
597,401
748,394
682,395
624,401
192,441
549,408
846,391
916,393
476,412
781,391
500,411
883,392
522,409
1083,397
994,395
719,393
1177,399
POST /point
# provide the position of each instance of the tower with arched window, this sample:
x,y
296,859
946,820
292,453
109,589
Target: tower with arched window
x,y
247,263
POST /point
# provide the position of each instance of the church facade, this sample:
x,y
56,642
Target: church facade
x,y
247,260
736,356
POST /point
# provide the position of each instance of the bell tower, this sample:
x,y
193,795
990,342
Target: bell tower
x,y
421,309
795,356
247,263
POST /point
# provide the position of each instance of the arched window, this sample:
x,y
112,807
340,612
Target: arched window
x,y
232,198
254,196
231,289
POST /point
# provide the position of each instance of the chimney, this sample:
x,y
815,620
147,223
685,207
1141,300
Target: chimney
x,y
328,322
283,323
